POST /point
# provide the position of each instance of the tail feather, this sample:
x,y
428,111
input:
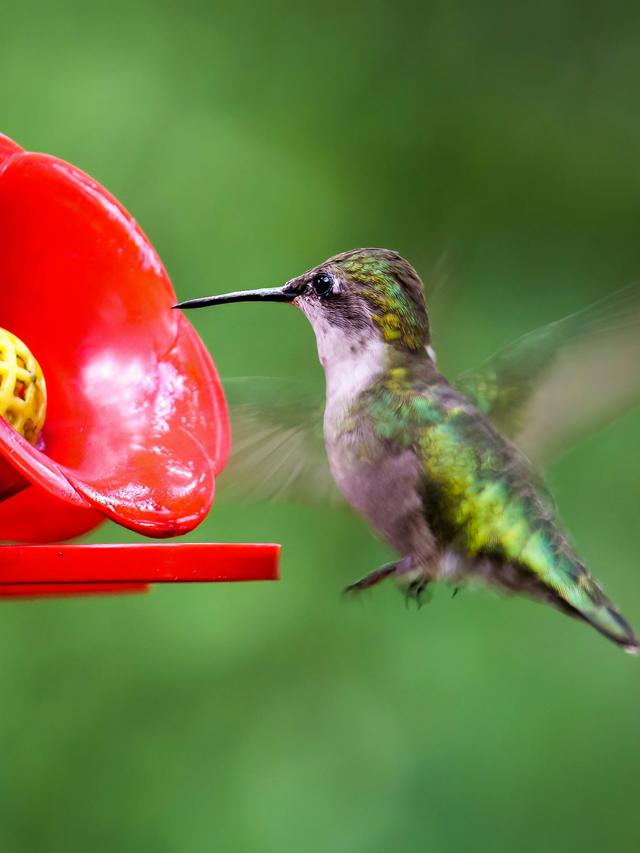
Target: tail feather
x,y
585,599
607,620
570,588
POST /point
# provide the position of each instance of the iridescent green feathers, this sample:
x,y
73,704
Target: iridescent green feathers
x,y
394,292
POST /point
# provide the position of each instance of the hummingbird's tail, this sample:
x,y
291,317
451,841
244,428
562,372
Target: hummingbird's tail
x,y
566,584
585,599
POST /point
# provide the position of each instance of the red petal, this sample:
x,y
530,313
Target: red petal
x,y
136,423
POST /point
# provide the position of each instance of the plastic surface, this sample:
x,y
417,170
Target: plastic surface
x,y
137,426
49,569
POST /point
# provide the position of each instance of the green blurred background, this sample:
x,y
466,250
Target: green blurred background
x,y
494,145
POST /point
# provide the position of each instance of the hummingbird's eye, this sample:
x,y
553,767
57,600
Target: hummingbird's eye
x,y
322,283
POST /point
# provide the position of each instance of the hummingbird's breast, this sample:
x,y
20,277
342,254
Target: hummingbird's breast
x,y
384,488
381,482
380,479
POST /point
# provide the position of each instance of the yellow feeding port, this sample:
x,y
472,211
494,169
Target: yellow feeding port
x,y
23,393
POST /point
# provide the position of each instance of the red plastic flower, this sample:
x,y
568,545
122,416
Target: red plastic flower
x,y
136,426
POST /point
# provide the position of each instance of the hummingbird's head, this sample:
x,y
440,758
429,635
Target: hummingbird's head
x,y
355,297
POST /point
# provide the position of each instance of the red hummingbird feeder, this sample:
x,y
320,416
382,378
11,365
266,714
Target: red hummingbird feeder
x,y
136,426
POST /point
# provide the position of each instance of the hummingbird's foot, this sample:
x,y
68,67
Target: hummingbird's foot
x,y
417,591
372,578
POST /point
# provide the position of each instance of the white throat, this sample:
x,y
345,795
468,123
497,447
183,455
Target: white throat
x,y
350,363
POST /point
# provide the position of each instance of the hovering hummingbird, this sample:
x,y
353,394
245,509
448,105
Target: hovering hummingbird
x,y
439,468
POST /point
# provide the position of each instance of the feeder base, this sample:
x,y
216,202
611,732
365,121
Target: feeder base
x,y
33,571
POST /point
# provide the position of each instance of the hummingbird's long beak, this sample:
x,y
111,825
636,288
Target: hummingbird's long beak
x,y
265,294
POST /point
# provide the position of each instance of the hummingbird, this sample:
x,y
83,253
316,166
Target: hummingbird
x,y
443,470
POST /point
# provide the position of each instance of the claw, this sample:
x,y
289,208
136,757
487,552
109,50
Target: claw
x,y
417,591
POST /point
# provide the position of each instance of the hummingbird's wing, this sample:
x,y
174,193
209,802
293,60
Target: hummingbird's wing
x,y
557,384
278,448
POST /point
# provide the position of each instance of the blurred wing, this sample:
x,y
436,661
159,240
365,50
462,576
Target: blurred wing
x,y
559,383
278,448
